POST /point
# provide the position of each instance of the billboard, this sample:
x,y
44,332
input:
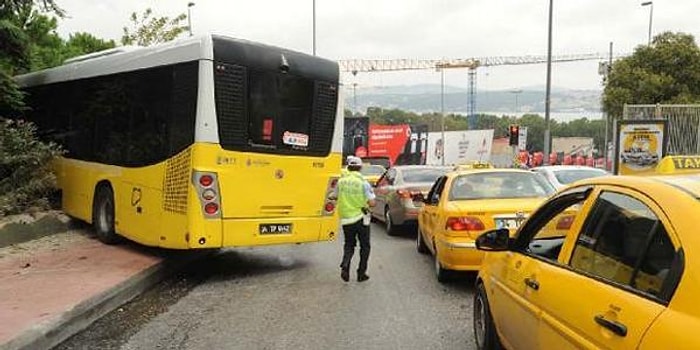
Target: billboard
x,y
459,147
640,146
402,144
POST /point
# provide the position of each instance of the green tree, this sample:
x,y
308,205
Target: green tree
x,y
147,30
28,40
667,71
84,43
15,47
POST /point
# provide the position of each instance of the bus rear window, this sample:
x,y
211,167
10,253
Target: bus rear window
x,y
280,110
272,112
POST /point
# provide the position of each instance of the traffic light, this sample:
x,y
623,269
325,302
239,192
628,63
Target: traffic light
x,y
513,133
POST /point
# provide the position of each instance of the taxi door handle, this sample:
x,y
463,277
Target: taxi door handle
x,y
616,327
532,283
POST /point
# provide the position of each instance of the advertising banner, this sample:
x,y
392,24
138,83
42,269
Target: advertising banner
x,y
388,140
640,146
459,147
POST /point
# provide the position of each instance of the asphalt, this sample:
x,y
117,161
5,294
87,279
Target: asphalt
x,y
55,286
292,297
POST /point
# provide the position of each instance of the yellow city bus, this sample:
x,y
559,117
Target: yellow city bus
x,y
200,143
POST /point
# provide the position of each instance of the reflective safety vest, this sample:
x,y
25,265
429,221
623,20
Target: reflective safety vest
x,y
351,195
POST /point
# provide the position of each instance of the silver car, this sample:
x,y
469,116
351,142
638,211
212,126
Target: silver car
x,y
400,192
561,176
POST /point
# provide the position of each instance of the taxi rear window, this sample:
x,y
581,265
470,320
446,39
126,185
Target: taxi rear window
x,y
494,185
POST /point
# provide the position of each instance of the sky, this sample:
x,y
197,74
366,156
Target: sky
x,y
419,29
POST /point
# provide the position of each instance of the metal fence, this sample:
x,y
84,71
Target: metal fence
x,y
683,124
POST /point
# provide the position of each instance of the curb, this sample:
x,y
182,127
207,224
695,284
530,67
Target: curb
x,y
51,333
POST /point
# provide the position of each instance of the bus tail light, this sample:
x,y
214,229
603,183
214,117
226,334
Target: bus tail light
x,y
206,180
211,208
466,223
331,197
207,186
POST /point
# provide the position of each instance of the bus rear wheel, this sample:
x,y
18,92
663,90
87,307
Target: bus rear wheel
x,y
103,215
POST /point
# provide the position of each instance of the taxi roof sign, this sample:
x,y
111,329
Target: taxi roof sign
x,y
474,165
678,164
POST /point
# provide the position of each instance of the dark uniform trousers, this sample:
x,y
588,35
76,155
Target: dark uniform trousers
x,y
354,232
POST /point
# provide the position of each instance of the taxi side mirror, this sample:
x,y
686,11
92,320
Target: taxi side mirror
x,y
494,241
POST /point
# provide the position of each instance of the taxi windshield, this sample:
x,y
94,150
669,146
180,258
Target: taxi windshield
x,y
495,185
369,170
572,175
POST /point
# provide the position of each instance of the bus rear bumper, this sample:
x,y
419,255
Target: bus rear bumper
x,y
284,230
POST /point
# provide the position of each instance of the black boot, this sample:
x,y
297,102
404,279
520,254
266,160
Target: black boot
x,y
361,277
345,275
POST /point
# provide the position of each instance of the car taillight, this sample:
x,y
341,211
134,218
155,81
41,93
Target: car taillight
x,y
331,196
207,186
466,223
408,194
565,222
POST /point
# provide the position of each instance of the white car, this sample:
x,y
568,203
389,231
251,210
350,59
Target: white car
x,y
562,175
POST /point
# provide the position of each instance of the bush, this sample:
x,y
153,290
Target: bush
x,y
26,177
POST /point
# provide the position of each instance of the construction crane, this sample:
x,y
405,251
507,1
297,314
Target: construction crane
x,y
368,65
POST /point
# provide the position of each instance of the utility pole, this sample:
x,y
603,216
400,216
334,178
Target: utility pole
x,y
606,75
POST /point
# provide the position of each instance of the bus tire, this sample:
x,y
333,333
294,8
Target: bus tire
x,y
103,215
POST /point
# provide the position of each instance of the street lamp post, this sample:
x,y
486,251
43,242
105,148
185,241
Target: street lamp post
x,y
189,17
354,97
314,27
442,112
516,93
549,88
651,15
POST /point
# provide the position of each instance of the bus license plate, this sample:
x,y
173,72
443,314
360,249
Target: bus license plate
x,y
274,229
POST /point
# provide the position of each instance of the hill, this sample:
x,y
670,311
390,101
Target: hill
x,y
426,98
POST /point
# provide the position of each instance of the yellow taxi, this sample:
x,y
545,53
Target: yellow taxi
x,y
463,204
372,172
610,262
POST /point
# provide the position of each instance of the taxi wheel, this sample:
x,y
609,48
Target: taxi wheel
x,y
485,334
391,229
420,244
441,273
103,215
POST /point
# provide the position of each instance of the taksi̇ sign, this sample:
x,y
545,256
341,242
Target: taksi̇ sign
x,y
640,146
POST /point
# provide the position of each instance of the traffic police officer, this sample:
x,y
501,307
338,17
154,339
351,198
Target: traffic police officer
x,y
355,196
